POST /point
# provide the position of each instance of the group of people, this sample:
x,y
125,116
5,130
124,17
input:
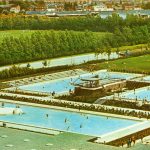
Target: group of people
x,y
131,140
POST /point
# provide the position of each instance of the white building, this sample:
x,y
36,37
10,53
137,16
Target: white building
x,y
102,7
15,9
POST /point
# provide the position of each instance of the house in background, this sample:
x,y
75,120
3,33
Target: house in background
x,y
51,7
10,8
138,7
15,9
128,7
103,7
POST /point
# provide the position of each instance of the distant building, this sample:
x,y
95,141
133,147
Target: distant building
x,y
102,7
15,9
137,8
128,7
51,7
118,7
11,8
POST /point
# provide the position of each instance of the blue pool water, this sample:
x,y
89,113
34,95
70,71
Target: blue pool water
x,y
147,78
117,75
76,122
64,85
140,94
57,86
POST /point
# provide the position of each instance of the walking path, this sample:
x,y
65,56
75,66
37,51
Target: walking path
x,y
70,60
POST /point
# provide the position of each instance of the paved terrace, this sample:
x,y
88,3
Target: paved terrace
x,y
25,140
35,141
123,132
46,77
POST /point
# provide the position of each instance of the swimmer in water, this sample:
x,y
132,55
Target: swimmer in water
x,y
68,128
81,126
65,120
47,115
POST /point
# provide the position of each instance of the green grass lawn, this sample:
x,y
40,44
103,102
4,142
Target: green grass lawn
x,y
135,64
133,47
18,33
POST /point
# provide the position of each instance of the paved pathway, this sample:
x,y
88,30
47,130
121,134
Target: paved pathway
x,y
70,60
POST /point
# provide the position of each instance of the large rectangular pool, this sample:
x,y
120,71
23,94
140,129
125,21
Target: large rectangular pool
x,y
87,124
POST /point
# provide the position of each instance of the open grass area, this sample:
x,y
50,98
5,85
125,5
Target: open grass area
x,y
18,33
138,47
134,64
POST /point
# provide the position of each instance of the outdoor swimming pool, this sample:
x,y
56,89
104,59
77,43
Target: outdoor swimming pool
x,y
58,86
143,79
67,121
117,75
64,85
139,94
147,78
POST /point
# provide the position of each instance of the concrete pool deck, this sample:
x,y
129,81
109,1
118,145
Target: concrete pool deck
x,y
25,140
30,128
123,132
46,77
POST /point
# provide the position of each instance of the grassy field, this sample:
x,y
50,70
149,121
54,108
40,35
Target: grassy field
x,y
18,33
138,47
134,64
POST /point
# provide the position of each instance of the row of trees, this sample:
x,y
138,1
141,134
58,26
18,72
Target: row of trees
x,y
43,45
15,71
71,23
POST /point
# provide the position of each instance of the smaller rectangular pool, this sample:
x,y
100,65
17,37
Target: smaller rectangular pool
x,y
139,94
